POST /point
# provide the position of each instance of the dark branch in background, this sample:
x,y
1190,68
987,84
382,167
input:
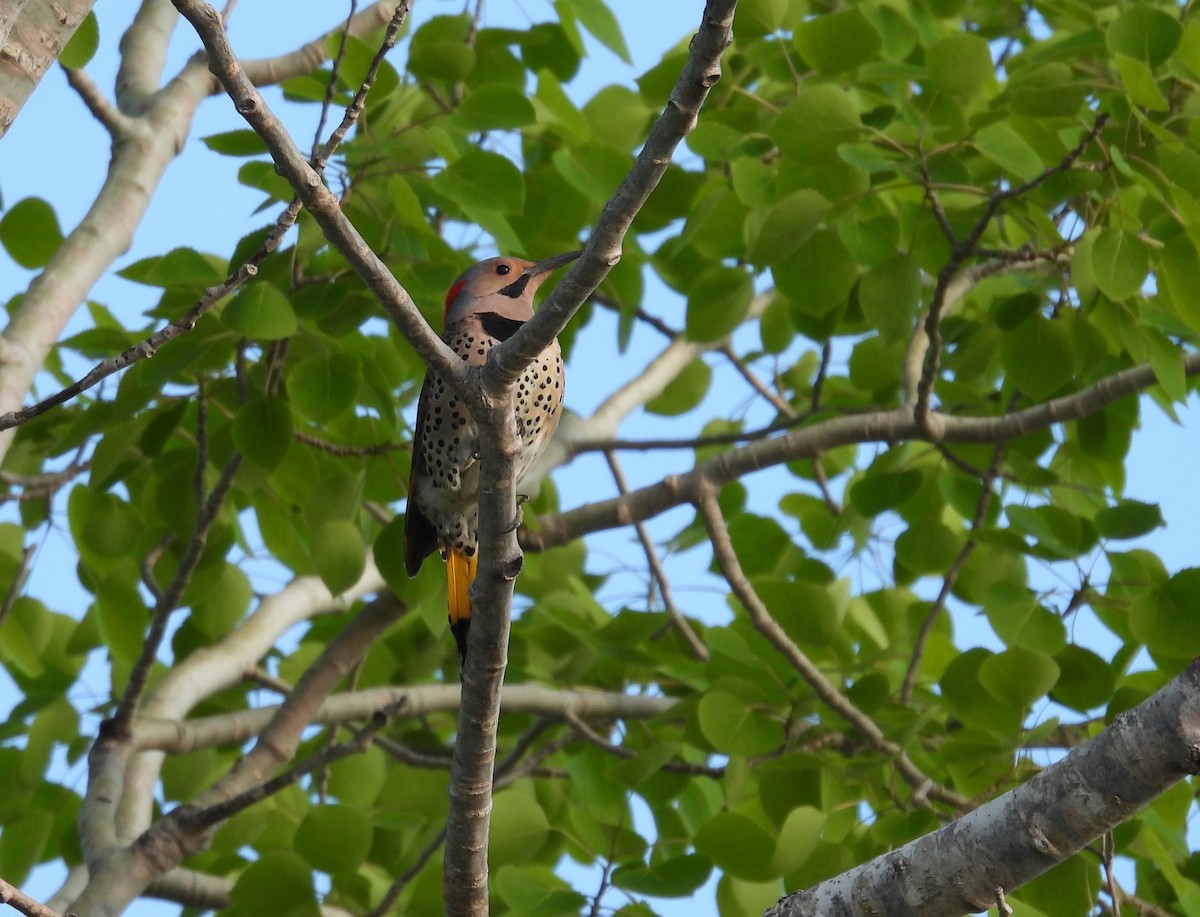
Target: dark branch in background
x,y
705,498
14,588
968,247
121,723
40,486
875,427
1015,838
657,573
952,574
193,819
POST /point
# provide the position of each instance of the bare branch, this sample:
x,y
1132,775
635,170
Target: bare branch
x,y
878,426
15,898
176,737
102,110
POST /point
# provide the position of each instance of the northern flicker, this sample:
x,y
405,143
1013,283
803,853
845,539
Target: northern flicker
x,y
485,306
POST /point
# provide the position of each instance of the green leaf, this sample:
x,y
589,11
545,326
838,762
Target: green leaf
x,y
818,278
23,844
321,388
357,781
439,50
338,553
494,106
278,882
733,728
178,269
1120,262
815,123
776,232
837,41
261,312
598,19
1085,681
1165,620
1140,84
519,827
17,651
1128,519
223,604
1017,677
1038,356
676,877
878,491
927,548
82,45
30,232
960,65
389,554
334,838
798,838
684,392
1000,143
1145,33
1058,532
717,303
235,143
480,176
738,845
1167,362
1180,266
889,296
262,431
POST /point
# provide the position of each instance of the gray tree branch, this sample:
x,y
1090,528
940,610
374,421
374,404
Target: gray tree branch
x,y
1015,838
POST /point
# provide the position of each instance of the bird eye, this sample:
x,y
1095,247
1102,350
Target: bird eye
x,y
503,269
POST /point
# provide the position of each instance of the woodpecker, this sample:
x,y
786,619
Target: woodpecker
x,y
485,306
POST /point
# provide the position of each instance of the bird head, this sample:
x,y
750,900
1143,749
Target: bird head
x,y
502,285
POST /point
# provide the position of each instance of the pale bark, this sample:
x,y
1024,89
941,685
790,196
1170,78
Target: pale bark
x,y
32,35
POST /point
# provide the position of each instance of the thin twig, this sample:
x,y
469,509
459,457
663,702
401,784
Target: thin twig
x,y
695,644
968,247
18,583
113,120
194,820
392,895
780,404
139,676
331,87
345,451
952,574
15,898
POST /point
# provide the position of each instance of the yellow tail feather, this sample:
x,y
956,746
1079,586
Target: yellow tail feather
x,y
460,573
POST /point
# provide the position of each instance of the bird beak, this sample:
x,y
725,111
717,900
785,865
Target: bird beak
x,y
551,264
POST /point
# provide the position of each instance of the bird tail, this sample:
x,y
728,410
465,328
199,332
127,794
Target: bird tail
x,y
460,573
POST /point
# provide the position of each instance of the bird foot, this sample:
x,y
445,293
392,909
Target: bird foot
x,y
520,517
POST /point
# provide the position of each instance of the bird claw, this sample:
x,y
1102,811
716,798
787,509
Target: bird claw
x,y
520,517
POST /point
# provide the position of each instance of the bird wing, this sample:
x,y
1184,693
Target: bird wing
x,y
420,537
